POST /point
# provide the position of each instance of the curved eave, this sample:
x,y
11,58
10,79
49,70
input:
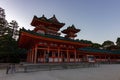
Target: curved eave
x,y
58,25
70,36
67,31
28,38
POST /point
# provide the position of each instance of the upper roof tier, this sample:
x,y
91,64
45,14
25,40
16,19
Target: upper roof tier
x,y
53,19
46,22
70,29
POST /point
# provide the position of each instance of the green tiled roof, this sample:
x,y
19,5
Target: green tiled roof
x,y
53,36
116,51
89,49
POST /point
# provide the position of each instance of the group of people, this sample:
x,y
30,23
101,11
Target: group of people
x,y
10,68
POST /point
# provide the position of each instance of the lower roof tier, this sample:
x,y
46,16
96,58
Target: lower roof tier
x,y
28,38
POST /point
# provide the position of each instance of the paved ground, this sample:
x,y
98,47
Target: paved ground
x,y
104,72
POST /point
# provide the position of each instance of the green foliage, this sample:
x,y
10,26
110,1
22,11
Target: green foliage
x,y
85,41
108,43
3,26
118,42
9,51
96,45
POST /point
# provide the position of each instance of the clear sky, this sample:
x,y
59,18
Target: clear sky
x,y
99,20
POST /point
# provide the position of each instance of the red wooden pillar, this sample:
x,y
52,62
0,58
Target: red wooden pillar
x,y
58,54
48,51
28,56
75,56
115,58
78,58
44,56
99,58
32,55
35,57
105,58
53,56
67,56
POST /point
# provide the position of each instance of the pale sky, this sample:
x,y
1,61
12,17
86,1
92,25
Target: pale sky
x,y
99,20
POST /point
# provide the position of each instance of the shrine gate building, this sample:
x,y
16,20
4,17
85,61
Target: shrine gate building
x,y
45,45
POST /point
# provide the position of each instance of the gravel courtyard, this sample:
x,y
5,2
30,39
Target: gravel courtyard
x,y
103,72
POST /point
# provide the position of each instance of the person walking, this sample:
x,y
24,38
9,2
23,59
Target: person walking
x,y
13,68
8,68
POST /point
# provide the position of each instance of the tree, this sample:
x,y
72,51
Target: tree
x,y
96,45
9,50
118,42
3,23
13,25
107,44
85,41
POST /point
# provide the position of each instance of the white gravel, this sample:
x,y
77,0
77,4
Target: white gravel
x,y
104,72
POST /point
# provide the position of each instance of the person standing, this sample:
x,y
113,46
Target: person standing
x,y
13,68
